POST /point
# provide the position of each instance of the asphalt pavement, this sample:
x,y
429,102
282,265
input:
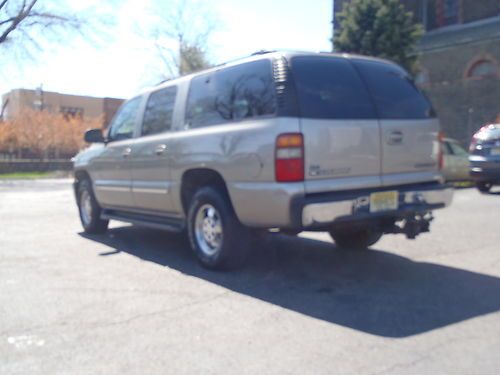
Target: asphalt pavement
x,y
134,301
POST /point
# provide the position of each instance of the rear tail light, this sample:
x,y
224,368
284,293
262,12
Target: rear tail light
x,y
289,157
440,151
473,144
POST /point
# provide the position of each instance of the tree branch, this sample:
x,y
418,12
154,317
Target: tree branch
x,y
22,14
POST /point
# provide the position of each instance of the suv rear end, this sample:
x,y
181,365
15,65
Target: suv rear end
x,y
371,149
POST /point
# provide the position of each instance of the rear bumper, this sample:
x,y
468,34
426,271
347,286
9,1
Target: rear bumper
x,y
488,175
321,210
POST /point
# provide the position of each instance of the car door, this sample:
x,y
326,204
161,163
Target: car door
x,y
409,127
112,176
151,157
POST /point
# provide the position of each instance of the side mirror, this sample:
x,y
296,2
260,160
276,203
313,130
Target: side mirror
x,y
94,136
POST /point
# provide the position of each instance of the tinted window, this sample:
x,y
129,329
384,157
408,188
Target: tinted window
x,y
159,111
123,124
231,94
395,95
457,150
330,88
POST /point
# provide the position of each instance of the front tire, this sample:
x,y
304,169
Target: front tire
x,y
484,187
89,209
359,239
217,238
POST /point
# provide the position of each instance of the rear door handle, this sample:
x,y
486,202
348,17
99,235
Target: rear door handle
x,y
395,137
126,152
160,149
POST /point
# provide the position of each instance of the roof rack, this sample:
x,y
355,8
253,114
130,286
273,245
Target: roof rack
x,y
165,80
262,52
257,53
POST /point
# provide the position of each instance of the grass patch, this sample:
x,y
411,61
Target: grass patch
x,y
25,175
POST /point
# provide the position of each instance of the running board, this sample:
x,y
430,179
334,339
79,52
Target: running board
x,y
155,222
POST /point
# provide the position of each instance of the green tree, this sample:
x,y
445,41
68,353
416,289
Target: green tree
x,y
192,58
380,28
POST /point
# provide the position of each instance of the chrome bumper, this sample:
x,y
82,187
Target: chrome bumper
x,y
418,200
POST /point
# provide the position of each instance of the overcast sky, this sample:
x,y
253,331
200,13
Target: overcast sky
x,y
123,64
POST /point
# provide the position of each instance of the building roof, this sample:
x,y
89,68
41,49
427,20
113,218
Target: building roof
x,y
452,36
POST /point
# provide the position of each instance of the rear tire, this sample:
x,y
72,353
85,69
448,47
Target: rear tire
x,y
359,239
89,209
217,238
484,187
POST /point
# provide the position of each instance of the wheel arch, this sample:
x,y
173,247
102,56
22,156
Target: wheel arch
x,y
81,175
196,178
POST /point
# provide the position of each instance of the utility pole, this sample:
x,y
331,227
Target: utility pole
x,y
333,25
39,101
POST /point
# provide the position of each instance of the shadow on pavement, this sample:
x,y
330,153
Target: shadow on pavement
x,y
372,291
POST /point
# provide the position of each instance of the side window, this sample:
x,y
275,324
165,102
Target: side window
x,y
232,94
123,124
394,93
159,111
330,88
457,150
446,148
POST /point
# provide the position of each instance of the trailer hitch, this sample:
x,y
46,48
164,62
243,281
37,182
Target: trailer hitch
x,y
413,225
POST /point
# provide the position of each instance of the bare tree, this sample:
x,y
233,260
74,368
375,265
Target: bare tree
x,y
30,20
181,34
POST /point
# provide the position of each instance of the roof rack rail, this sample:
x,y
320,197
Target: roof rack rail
x,y
262,52
165,80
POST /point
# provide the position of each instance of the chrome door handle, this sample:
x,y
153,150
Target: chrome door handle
x,y
126,152
395,137
160,149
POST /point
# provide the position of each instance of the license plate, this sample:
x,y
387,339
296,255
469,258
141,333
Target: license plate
x,y
384,201
495,151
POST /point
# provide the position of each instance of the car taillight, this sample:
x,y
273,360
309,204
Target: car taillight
x,y
289,157
473,144
440,152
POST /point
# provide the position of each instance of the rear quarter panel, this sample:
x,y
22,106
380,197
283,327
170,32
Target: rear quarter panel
x,y
243,154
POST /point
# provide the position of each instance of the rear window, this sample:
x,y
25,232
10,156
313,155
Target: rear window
x,y
394,93
231,94
330,88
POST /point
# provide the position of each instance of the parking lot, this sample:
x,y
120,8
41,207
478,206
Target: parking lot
x,y
134,301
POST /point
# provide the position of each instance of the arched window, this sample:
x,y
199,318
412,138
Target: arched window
x,y
482,68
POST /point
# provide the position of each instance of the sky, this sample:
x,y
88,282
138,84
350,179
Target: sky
x,y
123,62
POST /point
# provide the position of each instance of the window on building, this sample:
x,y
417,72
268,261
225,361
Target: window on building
x,y
231,94
483,68
71,112
450,12
159,111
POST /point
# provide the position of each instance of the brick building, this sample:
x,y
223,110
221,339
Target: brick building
x,y
70,105
459,59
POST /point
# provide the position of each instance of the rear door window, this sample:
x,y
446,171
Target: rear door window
x,y
159,111
231,94
394,93
330,88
